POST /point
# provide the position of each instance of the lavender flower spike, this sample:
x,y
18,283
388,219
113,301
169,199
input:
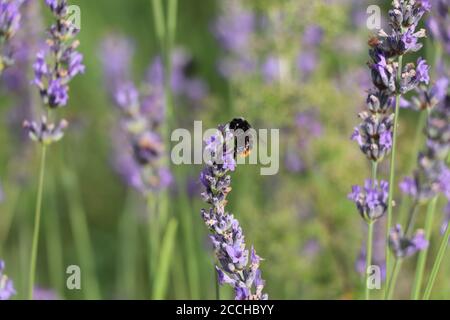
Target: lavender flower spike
x,y
142,113
238,266
6,285
375,134
55,66
52,77
402,246
432,174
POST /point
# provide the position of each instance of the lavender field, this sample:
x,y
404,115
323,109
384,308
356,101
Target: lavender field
x,y
224,149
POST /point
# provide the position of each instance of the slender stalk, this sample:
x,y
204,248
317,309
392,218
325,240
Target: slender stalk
x,y
370,237
368,256
80,230
392,167
158,16
169,41
8,214
437,264
423,253
37,222
52,231
217,283
126,260
153,235
165,258
23,253
189,243
165,30
171,23
412,218
393,279
179,280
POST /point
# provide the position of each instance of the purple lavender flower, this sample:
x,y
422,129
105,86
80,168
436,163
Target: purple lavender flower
x,y
153,101
406,14
235,27
413,76
402,246
383,75
293,162
52,79
307,128
438,23
371,200
57,93
55,66
432,175
138,147
374,135
45,133
234,30
185,85
307,63
116,67
422,71
6,285
428,97
53,4
408,186
238,266
10,19
446,219
127,97
307,59
313,36
271,69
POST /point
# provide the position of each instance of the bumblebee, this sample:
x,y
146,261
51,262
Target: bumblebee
x,y
240,126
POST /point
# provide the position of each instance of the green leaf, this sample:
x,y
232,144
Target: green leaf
x,y
167,248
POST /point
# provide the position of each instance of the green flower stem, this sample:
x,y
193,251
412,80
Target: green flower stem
x,y
126,260
370,226
423,253
412,218
23,257
166,37
189,242
153,235
37,222
52,227
165,30
393,280
368,256
7,215
437,264
171,23
392,167
80,231
158,16
216,276
165,260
